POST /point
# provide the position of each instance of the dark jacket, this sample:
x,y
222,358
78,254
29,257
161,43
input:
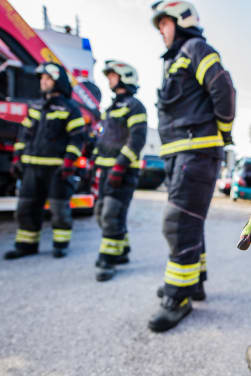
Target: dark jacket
x,y
196,104
123,132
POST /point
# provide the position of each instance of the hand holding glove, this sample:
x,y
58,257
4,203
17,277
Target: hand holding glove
x,y
16,168
116,175
67,169
245,240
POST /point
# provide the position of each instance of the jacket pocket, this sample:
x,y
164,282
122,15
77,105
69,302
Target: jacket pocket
x,y
171,93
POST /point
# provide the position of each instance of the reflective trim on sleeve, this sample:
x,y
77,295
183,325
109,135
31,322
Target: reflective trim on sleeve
x,y
129,153
61,236
182,62
19,146
73,149
34,114
204,65
75,124
182,275
138,118
24,236
120,112
224,127
103,116
57,115
26,122
112,246
192,144
110,162
42,161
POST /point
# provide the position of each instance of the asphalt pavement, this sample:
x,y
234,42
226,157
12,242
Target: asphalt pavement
x,y
56,320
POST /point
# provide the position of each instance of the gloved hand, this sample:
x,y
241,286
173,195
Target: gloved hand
x,y
245,240
16,168
116,175
227,138
67,169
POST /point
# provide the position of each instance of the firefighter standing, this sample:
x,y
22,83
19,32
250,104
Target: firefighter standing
x,y
123,136
50,140
196,107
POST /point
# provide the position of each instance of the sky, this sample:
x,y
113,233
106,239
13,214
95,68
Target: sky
x,y
122,29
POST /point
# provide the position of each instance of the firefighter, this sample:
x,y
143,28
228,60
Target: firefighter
x,y
50,141
122,138
196,109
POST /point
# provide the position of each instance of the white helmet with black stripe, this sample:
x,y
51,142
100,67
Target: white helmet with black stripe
x,y
128,75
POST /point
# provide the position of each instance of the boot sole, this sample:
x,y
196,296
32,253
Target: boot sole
x,y
165,328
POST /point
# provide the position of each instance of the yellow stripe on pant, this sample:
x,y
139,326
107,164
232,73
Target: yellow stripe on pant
x,y
182,275
24,236
111,246
61,236
203,262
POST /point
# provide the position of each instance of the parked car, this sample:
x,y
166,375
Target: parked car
x,y
152,172
224,182
241,184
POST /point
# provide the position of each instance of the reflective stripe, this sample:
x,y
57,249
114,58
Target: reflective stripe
x,y
24,236
224,127
204,65
19,146
247,229
61,236
73,149
57,115
182,275
182,62
34,114
75,123
111,246
203,262
103,116
43,161
95,151
192,144
26,122
126,240
138,118
110,162
128,153
119,112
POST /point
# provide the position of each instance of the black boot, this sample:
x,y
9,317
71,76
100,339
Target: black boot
x,y
105,271
59,252
18,253
171,312
198,295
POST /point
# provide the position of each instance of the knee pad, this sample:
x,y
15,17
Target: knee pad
x,y
113,217
61,214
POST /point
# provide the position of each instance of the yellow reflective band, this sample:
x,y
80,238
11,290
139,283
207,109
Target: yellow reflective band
x,y
182,275
57,115
19,146
204,65
73,149
95,151
134,119
62,235
192,144
103,116
27,236
184,302
126,240
111,246
183,269
128,153
182,62
26,122
75,124
110,162
120,112
34,114
43,161
224,127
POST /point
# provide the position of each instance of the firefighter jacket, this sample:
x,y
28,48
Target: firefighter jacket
x,y
196,104
123,133
52,131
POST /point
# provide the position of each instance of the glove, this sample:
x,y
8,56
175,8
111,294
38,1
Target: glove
x,y
67,169
227,138
16,168
116,175
245,240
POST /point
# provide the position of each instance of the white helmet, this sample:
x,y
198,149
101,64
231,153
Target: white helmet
x,y
184,12
128,75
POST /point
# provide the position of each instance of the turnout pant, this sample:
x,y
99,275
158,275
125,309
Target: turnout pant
x,y
38,184
111,212
190,180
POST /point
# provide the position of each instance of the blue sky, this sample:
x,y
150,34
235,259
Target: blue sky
x,y
121,29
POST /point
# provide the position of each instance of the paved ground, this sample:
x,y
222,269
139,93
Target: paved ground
x,y
56,320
